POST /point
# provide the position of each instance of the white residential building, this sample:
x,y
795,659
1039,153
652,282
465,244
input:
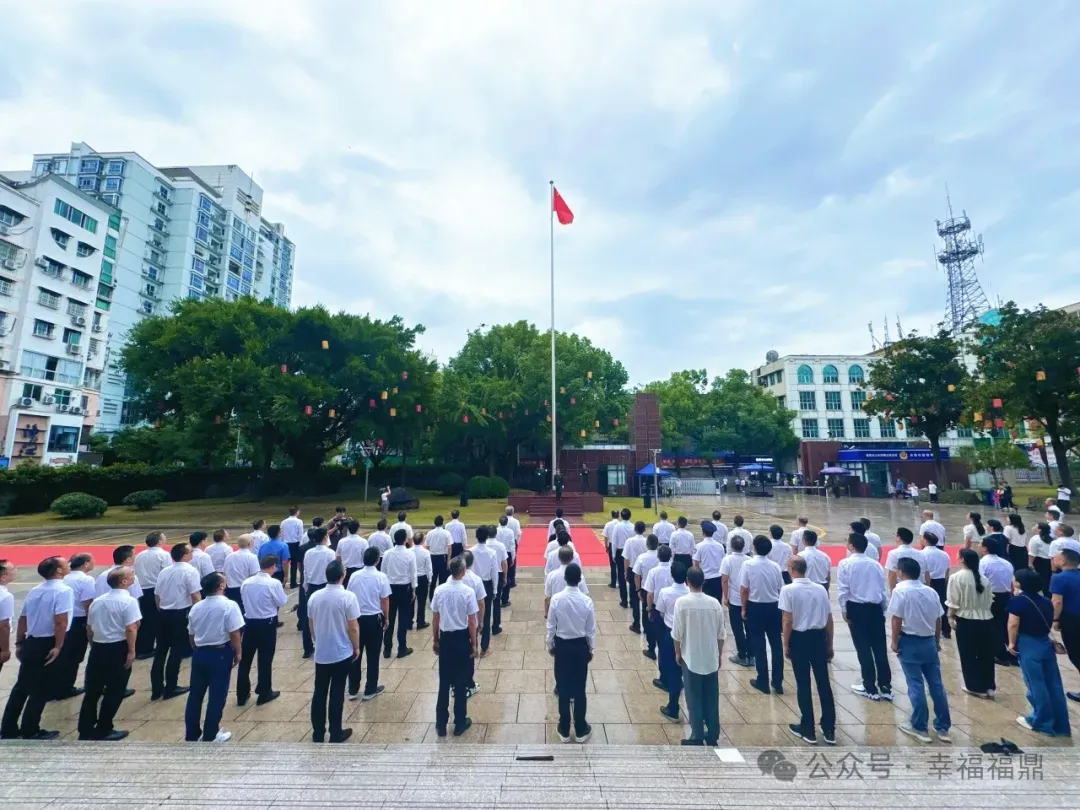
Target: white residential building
x,y
58,248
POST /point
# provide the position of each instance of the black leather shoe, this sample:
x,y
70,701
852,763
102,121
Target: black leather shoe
x,y
649,654
458,731
144,656
692,742
267,698
405,652
345,734
761,687
180,690
440,731
241,701
496,630
308,655
42,734
659,684
114,736
386,652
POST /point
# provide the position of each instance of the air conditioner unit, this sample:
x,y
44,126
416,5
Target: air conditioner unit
x,y
73,348
26,402
5,229
48,399
96,327
63,408
10,264
75,410
41,262
78,320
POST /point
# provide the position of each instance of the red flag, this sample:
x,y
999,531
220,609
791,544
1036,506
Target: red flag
x,y
561,209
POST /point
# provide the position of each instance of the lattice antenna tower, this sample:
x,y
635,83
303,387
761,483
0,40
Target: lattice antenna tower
x,y
966,299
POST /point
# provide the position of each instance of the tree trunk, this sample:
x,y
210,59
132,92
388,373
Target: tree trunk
x,y
1064,473
939,466
1046,464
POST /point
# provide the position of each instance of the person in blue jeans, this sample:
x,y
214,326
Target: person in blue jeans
x,y
214,626
1030,616
915,613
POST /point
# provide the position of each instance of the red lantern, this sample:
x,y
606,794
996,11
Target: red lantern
x,y
465,419
988,424
418,408
615,422
500,414
284,369
996,403
379,443
404,375
999,423
307,410
371,403
573,401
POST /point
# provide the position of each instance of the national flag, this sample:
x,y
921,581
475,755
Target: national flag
x,y
561,209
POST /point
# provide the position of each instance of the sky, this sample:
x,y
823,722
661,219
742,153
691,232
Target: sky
x,y
745,176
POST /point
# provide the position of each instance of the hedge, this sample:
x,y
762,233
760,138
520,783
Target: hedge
x,y
966,497
480,486
78,505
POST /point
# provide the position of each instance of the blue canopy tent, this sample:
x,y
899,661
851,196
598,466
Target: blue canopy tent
x,y
757,468
651,469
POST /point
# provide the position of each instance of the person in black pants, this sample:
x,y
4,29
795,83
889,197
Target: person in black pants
x,y
808,641
399,565
862,596
263,595
730,575
1064,589
608,529
372,591
178,588
332,613
75,642
424,581
759,590
453,626
571,611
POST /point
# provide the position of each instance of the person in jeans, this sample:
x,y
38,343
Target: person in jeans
x,y
698,634
214,625
969,601
808,644
915,614
1065,594
1030,617
760,581
730,572
332,614
861,593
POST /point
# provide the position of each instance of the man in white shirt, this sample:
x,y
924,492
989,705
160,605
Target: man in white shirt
x,y
486,566
663,529
862,595
998,573
620,533
350,550
458,535
682,544
515,526
797,534
555,581
258,537
818,563
698,632
1064,499
874,541
502,560
632,549
721,533
915,613
571,639
931,525
316,560
808,642
760,582
380,540
739,531
780,552
220,548
199,558
75,642
401,524
372,591
121,556
214,626
149,563
438,542
262,596
904,548
238,566
670,679
423,581
709,556
609,528
656,559
7,610
1064,537
399,565
43,623
558,517
454,629
937,565
505,536
178,588
730,577
932,489
113,624
292,534
333,613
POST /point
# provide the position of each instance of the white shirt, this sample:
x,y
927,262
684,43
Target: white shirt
x,y
457,531
620,533
292,530
665,600
211,620
551,526
381,541
330,610
399,565
1064,493
763,578
46,601
176,584
1037,547
1062,543
818,564
860,579
731,567
681,542
219,551
1015,537
914,490
721,533
111,615
571,615
936,528
663,530
918,605
202,562
423,562
633,548
102,586
962,597
931,488
748,539
240,565
658,579
700,622
84,589
796,539
936,562
455,602
258,537
438,541
315,561
350,549
555,581
515,526
149,564
971,536
807,602
645,563
554,544
609,527
873,541
892,559
262,595
401,524
501,555
505,535
7,604
370,586
551,560
779,554
998,571
477,585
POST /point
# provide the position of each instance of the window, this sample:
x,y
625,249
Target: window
x,y
203,220
89,166
829,374
202,235
198,264
236,253
115,167
47,298
92,379
88,183
833,401
159,224
106,276
810,428
43,329
782,402
72,337
8,251
72,214
97,321
807,401
62,396
84,249
232,282
855,375
194,295
249,262
858,399
806,375
10,217
114,201
32,391
162,209
60,237
76,309
110,247
68,371
836,428
114,223
247,275
205,204
245,288
63,439
103,304
112,184
196,282
81,280
862,428
963,432
616,475
152,272
888,428
39,366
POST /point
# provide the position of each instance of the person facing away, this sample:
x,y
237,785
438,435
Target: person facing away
x,y
438,542
199,558
558,517
75,642
220,548
259,535
863,597
682,543
730,576
709,557
458,535
698,630
239,565
760,582
797,534
904,550
372,591
424,572
936,565
555,580
262,595
454,640
969,600
663,529
316,560
149,564
214,626
818,563
399,565
332,615
121,556
178,588
571,639
671,679
402,523
808,644
873,549
1065,596
780,551
915,617
999,573
276,546
7,610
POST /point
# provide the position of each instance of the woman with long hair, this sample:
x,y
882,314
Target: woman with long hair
x,y
974,530
1016,534
1039,555
1030,616
969,599
998,572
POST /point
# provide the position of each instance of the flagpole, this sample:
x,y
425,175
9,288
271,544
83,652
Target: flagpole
x,y
554,423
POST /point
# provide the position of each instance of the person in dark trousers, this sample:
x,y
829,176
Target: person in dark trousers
x,y
424,574
113,624
337,526
214,625
862,596
671,674
372,591
808,644
332,615
1065,596
969,600
486,566
622,531
453,628
75,642
937,564
438,543
998,572
39,638
399,565
571,639
316,560
608,529
698,633
263,595
730,576
178,588
292,532
149,564
7,610
759,590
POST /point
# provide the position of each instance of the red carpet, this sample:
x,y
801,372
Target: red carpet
x,y
32,555
588,544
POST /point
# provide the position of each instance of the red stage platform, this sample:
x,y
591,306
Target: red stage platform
x,y
588,544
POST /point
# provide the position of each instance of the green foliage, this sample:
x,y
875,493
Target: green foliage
x,y
479,486
498,487
78,505
174,440
451,484
144,499
963,497
993,457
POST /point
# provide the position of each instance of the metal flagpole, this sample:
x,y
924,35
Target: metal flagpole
x,y
554,423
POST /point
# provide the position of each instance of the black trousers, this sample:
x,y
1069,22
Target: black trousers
x,y
499,597
1070,637
144,641
976,642
635,600
422,585
400,611
439,571
454,671
940,586
260,637
106,681
620,573
571,673
739,631
297,568
32,690
172,646
685,559
868,636
302,616
234,595
511,573
670,671
808,655
489,599
71,657
329,699
1043,567
371,633
1018,556
505,584
714,587
1000,610
763,623
611,562
456,550
348,575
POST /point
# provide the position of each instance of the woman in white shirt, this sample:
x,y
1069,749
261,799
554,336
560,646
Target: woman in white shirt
x,y
974,530
1016,534
969,600
1039,554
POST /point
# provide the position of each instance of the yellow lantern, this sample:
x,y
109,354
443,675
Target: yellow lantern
x,y
326,344
483,411
393,412
395,389
1040,375
978,416
549,417
352,471
588,375
596,423
383,396
562,390
583,434
951,388
332,413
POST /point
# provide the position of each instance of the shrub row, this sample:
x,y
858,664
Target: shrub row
x,y
480,486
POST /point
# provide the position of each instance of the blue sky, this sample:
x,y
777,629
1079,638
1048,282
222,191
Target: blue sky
x,y
745,175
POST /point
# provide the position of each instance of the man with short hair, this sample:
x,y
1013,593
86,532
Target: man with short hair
x,y
698,632
75,642
818,563
148,566
262,595
453,628
609,528
571,639
740,531
632,549
929,524
620,533
380,540
199,558
873,542
555,581
682,544
904,549
504,535
502,561
486,566
214,625
936,562
259,535
43,624
558,517
730,577
274,545
337,526
372,591
721,530
515,527
1064,498
862,596
663,529
333,613
652,574
424,570
220,548
350,550
438,542
915,611
122,556
239,565
316,560
1065,594
1064,537
671,678
7,610
709,556
760,582
292,532
402,523
112,627
399,565
780,552
178,588
458,534
808,644
797,534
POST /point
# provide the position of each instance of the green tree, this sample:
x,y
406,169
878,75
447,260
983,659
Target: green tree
x,y
993,455
1030,360
922,380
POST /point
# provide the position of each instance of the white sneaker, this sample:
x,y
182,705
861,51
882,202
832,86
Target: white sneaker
x,y
223,736
944,737
563,738
353,695
859,689
1023,721
886,695
472,690
921,736
990,694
